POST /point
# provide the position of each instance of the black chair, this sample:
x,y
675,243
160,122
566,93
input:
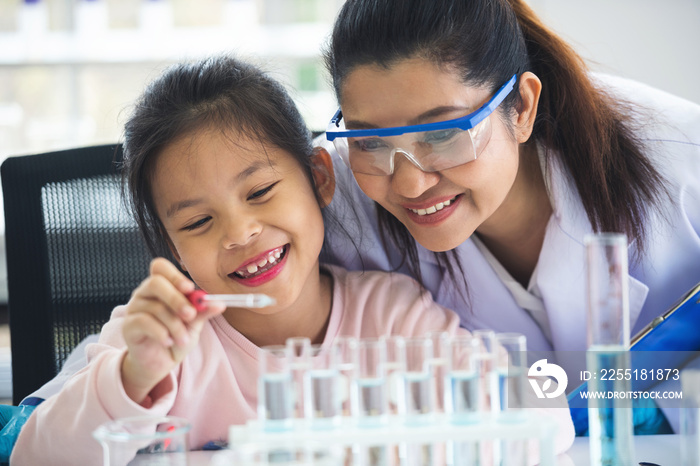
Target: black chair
x,y
73,254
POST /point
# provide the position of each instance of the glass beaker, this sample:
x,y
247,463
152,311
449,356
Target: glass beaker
x,y
148,440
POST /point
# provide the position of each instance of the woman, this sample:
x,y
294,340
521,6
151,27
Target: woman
x,y
510,152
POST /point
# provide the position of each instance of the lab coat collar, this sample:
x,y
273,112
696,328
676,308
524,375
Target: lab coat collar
x,y
490,304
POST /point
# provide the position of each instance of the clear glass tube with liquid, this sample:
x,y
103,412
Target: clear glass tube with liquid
x,y
275,389
441,345
610,418
464,395
511,368
323,403
346,351
369,391
369,397
394,369
299,355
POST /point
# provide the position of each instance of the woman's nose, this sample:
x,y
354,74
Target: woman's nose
x,y
409,180
240,230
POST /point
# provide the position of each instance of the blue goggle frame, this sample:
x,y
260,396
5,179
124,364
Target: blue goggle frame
x,y
466,122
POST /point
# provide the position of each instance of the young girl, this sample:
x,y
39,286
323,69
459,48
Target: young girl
x,y
222,176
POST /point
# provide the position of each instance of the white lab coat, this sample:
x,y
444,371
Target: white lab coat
x,y
669,268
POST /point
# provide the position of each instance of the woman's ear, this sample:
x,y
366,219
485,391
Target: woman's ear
x,y
324,176
529,88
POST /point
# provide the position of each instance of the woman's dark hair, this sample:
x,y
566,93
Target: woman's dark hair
x,y
486,42
220,92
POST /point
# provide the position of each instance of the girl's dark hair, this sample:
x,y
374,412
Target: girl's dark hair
x,y
220,92
487,41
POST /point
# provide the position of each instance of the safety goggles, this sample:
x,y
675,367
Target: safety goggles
x,y
430,146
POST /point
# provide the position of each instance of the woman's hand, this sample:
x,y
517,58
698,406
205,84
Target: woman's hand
x,y
160,328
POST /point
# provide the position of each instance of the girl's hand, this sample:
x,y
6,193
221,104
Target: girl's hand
x,y
160,328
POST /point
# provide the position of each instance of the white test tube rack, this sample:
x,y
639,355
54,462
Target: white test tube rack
x,y
252,437
299,434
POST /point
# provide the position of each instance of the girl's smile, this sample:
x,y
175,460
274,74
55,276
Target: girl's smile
x,y
263,268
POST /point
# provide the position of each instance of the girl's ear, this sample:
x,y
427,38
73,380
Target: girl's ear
x,y
324,176
529,88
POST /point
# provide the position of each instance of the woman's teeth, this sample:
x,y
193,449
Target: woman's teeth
x,y
434,208
262,265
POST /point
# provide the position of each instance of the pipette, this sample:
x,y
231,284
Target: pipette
x,y
200,298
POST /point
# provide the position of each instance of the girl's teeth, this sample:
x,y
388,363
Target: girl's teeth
x,y
271,259
432,209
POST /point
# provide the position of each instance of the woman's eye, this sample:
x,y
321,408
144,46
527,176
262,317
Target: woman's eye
x,y
198,224
436,137
370,144
260,193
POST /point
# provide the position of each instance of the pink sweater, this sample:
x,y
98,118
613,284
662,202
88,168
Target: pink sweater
x,y
216,384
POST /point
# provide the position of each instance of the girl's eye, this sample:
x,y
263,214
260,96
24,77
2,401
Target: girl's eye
x,y
198,224
260,193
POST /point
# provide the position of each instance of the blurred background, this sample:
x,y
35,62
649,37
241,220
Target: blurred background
x,y
70,69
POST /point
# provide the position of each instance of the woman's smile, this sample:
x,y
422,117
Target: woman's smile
x,y
432,212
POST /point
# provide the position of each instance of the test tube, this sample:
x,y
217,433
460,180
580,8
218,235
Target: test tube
x,y
485,364
275,407
463,395
394,367
369,395
463,388
346,351
370,404
299,356
610,420
511,368
416,402
441,346
322,388
441,342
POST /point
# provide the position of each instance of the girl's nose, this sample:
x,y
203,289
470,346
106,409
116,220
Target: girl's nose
x,y
239,231
410,181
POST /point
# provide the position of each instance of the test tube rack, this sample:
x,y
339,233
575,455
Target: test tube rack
x,y
394,431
